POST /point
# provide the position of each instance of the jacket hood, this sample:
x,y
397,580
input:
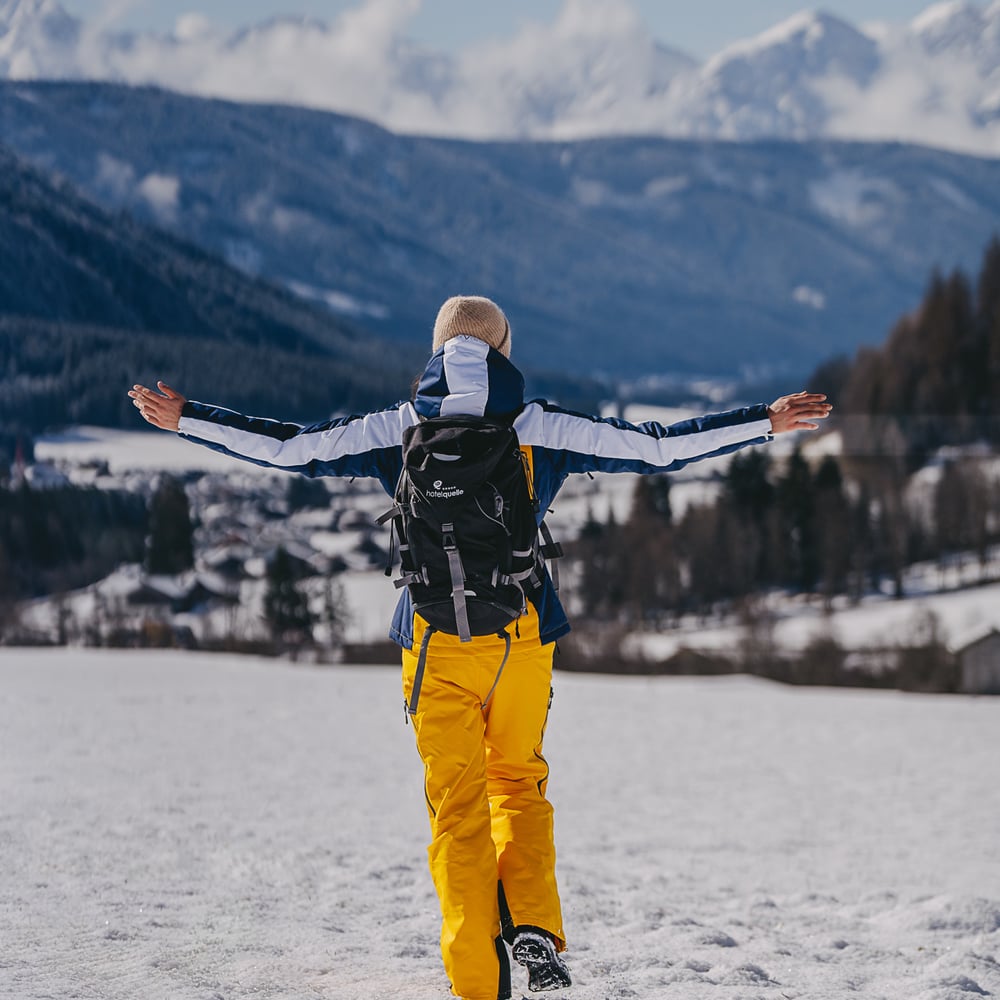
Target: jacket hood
x,y
467,377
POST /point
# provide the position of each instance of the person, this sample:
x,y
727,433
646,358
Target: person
x,y
491,854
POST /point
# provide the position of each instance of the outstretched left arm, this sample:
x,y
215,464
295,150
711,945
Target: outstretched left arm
x,y
365,444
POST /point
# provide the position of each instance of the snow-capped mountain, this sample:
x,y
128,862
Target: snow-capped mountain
x,y
593,70
38,39
767,86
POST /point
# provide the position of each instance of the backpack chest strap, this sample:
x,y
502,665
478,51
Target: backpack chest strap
x,y
550,550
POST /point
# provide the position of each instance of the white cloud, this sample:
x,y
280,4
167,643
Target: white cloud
x,y
932,100
573,76
115,177
813,298
339,302
352,65
853,197
92,45
161,192
667,187
190,27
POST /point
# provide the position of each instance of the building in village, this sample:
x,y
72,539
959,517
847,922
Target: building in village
x,y
977,661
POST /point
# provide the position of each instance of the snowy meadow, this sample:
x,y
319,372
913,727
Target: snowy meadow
x,y
188,826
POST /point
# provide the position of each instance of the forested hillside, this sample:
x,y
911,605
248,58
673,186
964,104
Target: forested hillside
x,y
912,477
90,302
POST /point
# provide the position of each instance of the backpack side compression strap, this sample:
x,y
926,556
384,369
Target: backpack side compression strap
x,y
418,677
457,581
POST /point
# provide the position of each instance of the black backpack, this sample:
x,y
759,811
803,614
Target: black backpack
x,y
466,518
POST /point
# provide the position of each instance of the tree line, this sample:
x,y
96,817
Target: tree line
x,y
774,525
57,539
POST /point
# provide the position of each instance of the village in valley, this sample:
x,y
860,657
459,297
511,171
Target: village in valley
x,y
225,539
238,558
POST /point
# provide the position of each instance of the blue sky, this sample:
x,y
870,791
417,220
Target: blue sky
x,y
701,27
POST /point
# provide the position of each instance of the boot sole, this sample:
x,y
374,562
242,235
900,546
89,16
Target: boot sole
x,y
545,970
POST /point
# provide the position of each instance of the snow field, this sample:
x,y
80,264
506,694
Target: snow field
x,y
187,826
136,451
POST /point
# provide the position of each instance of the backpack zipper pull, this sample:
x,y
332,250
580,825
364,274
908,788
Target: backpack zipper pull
x,y
535,505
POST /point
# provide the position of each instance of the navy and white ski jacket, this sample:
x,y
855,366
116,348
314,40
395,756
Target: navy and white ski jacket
x,y
466,376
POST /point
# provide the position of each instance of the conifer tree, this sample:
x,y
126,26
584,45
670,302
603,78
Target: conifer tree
x,y
286,609
652,583
749,494
988,321
170,547
705,540
863,571
335,615
834,520
796,497
962,510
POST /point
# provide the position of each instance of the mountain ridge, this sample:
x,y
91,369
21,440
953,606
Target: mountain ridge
x,y
594,70
707,256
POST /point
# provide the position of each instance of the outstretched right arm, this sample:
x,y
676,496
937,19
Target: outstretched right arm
x,y
359,445
161,409
580,442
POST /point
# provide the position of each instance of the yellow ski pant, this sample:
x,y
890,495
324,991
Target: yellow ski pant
x,y
485,780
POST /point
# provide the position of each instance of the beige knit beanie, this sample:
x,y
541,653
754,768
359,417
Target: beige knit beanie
x,y
474,316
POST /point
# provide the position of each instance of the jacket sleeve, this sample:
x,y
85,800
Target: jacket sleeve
x,y
578,442
361,445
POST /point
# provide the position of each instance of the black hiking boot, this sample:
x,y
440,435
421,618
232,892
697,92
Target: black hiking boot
x,y
536,951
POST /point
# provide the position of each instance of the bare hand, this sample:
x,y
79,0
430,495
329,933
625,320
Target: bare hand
x,y
796,412
161,409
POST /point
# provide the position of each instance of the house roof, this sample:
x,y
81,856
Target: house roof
x,y
967,640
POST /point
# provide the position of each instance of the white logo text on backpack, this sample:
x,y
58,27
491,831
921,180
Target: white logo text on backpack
x,y
443,492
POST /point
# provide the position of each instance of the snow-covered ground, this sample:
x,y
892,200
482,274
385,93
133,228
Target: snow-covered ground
x,y
184,826
877,622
